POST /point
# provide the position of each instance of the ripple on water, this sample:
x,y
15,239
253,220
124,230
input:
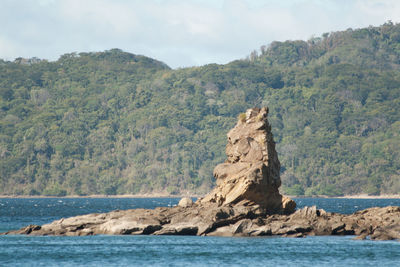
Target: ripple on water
x,y
179,250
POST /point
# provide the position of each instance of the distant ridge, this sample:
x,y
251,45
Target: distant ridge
x,y
117,123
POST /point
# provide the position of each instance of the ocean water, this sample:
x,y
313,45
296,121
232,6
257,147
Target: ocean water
x,y
180,250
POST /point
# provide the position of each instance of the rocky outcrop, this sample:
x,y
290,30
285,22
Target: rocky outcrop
x,y
245,202
237,220
251,172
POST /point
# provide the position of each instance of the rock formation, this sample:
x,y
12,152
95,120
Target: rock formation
x,y
251,172
237,220
245,202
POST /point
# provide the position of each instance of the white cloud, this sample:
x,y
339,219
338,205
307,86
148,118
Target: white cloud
x,y
378,10
180,33
7,47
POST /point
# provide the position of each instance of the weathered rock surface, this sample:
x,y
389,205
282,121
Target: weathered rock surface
x,y
185,202
227,220
251,172
245,202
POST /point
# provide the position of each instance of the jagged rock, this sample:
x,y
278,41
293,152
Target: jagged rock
x,y
245,202
251,171
28,229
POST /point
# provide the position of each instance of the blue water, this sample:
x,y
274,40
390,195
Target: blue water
x,y
180,250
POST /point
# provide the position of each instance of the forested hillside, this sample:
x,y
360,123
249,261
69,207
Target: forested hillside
x,y
117,123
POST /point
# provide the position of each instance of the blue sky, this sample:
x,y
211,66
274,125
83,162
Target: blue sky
x,y
180,33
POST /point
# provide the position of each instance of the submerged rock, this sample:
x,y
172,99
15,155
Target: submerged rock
x,y
245,202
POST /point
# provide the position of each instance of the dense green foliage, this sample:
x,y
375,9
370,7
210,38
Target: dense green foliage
x,y
117,123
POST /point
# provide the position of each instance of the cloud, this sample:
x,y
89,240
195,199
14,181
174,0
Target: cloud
x,y
180,33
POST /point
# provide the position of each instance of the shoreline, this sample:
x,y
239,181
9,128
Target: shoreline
x,y
364,196
159,195
104,196
360,196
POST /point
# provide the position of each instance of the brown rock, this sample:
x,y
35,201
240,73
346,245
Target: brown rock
x,y
245,202
185,202
251,172
182,229
242,227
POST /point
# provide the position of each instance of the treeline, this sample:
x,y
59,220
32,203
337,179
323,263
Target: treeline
x,y
117,123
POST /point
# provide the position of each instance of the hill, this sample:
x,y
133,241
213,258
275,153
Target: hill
x,y
116,123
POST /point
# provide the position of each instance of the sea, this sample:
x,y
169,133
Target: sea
x,y
127,250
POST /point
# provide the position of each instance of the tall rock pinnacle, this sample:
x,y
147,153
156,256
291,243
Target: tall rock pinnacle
x,y
250,175
240,205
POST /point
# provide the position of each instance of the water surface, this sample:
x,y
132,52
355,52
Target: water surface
x,y
180,250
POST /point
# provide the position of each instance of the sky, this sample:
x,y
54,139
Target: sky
x,y
181,33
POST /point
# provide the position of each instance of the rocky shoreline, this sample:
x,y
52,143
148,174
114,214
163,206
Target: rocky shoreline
x,y
245,202
237,220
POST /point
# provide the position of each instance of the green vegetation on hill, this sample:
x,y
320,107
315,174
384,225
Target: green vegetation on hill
x,y
117,123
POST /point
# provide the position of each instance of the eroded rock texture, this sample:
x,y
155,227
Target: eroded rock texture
x,y
227,220
245,202
251,172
